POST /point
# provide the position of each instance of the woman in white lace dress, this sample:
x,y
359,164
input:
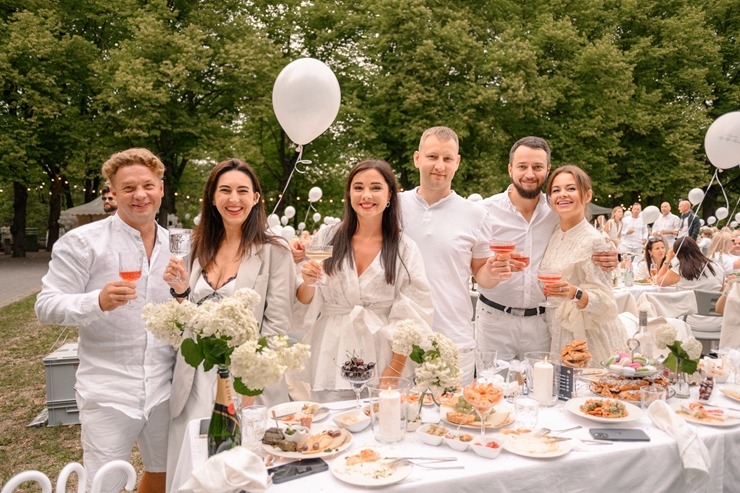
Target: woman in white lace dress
x,y
374,279
588,309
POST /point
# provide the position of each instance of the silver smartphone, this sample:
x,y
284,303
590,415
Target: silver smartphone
x,y
619,434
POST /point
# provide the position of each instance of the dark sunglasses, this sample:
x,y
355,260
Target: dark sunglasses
x,y
108,199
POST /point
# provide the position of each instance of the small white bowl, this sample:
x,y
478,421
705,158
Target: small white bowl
x,y
433,439
352,420
481,448
453,440
300,434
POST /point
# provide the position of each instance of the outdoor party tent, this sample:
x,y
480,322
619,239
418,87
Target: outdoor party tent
x,y
83,214
596,210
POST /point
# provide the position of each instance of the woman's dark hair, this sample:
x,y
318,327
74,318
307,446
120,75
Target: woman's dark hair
x,y
692,261
210,232
649,256
391,224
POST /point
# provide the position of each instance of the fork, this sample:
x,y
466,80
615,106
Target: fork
x,y
546,431
428,465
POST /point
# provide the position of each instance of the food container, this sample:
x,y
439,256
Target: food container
x,y
352,420
488,449
432,434
298,434
458,441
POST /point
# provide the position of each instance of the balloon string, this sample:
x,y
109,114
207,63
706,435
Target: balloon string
x,y
732,214
299,150
727,201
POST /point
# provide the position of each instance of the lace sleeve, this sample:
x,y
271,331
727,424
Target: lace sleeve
x,y
601,303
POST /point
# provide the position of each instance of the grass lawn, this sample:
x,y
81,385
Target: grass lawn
x,y
23,396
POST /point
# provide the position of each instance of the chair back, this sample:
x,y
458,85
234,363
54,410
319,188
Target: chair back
x,y
706,301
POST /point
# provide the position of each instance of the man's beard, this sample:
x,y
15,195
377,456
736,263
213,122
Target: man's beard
x,y
527,194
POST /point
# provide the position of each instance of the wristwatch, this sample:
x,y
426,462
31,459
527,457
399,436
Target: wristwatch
x,y
180,295
578,295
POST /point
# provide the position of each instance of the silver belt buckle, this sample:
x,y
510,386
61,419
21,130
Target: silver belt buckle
x,y
517,312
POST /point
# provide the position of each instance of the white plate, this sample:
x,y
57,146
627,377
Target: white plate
x,y
493,421
377,473
574,406
731,420
732,392
528,445
307,455
295,407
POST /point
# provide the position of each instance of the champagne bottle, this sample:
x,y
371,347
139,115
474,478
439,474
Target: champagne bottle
x,y
647,346
224,431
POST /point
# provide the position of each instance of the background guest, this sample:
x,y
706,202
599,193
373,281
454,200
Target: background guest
x,y
613,226
654,255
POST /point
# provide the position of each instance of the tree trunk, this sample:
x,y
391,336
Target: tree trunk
x,y
18,228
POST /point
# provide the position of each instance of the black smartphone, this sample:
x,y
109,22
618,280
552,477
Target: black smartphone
x,y
204,424
619,434
298,469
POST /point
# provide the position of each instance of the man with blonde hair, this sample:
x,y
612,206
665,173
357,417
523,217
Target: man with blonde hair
x,y
124,373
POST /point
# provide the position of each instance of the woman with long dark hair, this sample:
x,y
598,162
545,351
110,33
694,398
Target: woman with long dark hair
x,y
231,250
654,254
687,268
374,278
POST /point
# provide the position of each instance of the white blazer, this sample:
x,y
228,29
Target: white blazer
x,y
270,272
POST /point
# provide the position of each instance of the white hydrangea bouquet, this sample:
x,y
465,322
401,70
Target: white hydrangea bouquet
x,y
225,333
683,356
437,356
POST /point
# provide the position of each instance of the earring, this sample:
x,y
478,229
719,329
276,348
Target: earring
x,y
388,204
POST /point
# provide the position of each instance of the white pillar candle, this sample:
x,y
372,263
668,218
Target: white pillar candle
x,y
542,382
389,416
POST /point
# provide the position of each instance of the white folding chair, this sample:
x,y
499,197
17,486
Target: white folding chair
x,y
706,325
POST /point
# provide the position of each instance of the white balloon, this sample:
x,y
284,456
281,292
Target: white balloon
x,y
737,217
711,220
328,220
288,232
337,220
289,212
196,220
696,195
306,99
721,213
301,226
187,216
701,222
315,194
733,224
316,217
284,220
722,141
650,214
475,197
273,220
276,230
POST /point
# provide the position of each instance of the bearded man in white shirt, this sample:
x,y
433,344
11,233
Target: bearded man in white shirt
x,y
124,374
666,226
452,234
509,319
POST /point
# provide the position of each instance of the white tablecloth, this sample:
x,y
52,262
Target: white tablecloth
x,y
625,466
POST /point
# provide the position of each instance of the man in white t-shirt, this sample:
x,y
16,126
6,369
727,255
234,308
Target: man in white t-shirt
x,y
452,234
508,316
666,226
634,232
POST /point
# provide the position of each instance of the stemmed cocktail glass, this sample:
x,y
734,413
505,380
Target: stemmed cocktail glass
x,y
319,253
129,268
358,374
545,277
483,396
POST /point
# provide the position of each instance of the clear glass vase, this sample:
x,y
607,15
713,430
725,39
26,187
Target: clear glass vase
x,y
681,385
224,431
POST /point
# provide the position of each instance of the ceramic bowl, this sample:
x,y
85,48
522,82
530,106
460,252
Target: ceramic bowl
x,y
352,420
482,448
432,434
458,441
300,434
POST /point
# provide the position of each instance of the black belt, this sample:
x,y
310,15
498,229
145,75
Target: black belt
x,y
517,312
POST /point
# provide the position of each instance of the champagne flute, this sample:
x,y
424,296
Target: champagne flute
x,y
545,277
180,244
319,253
129,268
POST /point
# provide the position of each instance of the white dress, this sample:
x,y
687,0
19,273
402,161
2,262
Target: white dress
x,y
358,313
570,253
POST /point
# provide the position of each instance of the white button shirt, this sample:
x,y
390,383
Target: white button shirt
x,y
121,364
531,237
635,240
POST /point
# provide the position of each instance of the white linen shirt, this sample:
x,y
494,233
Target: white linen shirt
x,y
121,364
633,241
450,234
531,237
669,221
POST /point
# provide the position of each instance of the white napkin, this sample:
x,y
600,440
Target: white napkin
x,y
693,452
229,472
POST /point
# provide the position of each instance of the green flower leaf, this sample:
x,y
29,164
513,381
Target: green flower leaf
x,y
191,352
417,354
243,389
